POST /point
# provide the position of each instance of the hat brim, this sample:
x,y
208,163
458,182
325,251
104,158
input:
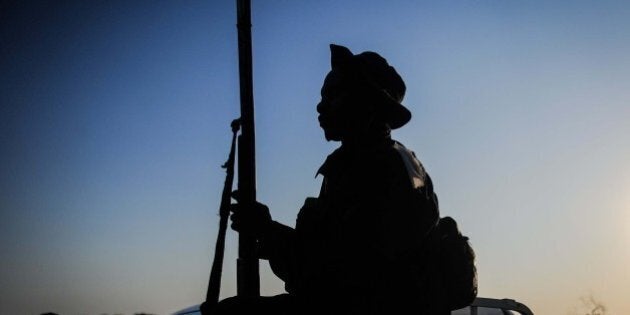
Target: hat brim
x,y
396,115
399,115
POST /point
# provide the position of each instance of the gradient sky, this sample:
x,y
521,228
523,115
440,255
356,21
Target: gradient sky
x,y
115,116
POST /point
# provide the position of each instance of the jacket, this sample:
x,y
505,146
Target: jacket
x,y
357,248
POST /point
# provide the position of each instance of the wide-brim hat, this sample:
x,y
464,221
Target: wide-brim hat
x,y
372,70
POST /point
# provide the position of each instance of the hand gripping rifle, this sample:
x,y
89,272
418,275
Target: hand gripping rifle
x,y
248,281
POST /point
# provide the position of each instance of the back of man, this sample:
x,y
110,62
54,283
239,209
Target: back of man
x,y
360,245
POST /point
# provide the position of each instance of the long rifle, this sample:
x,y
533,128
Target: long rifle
x,y
248,281
214,284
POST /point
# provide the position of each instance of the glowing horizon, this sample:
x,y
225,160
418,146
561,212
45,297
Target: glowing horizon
x,y
115,121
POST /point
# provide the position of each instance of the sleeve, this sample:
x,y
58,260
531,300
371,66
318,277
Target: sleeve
x,y
278,246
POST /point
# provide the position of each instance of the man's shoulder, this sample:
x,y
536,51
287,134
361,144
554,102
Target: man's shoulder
x,y
331,162
394,154
341,157
415,171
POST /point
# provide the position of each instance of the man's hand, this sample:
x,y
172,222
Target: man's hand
x,y
254,220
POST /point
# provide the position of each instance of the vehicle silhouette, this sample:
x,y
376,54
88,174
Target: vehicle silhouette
x,y
481,306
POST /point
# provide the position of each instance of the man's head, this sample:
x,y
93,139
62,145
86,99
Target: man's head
x,y
360,92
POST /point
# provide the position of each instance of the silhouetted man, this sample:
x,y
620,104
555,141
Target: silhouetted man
x,y
359,248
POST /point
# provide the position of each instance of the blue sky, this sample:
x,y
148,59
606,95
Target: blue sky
x,y
115,120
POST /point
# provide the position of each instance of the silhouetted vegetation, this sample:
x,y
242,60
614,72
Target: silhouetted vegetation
x,y
593,306
589,305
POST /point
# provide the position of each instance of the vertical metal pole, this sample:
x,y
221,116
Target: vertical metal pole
x,y
248,281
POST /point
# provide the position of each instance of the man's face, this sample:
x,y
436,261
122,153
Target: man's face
x,y
336,107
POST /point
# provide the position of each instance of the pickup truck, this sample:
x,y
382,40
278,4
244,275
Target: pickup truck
x,y
481,306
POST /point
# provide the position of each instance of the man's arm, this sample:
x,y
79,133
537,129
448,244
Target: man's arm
x,y
275,241
277,244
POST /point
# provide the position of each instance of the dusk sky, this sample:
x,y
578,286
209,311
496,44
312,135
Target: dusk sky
x,y
115,119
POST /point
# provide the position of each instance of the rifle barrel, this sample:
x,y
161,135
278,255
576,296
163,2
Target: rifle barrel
x,y
248,281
